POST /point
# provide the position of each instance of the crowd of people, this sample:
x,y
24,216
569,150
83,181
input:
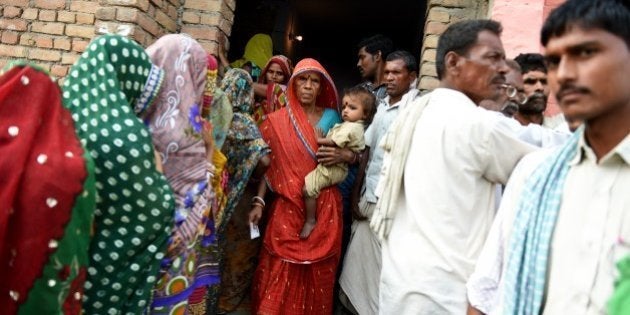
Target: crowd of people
x,y
168,180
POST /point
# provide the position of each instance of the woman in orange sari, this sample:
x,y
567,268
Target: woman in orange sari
x,y
296,276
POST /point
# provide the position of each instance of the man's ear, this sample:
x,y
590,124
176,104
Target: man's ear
x,y
452,62
378,55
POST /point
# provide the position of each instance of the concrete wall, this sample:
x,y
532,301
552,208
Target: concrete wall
x,y
522,21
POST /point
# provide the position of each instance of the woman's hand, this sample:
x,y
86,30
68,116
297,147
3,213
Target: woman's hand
x,y
331,155
255,214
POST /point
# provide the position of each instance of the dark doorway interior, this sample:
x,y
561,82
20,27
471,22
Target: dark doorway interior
x,y
331,29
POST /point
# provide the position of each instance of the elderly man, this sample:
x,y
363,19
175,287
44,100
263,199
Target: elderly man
x,y
507,103
445,156
564,223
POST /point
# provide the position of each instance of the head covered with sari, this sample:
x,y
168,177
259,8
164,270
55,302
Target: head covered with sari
x,y
176,125
258,50
47,198
275,97
285,65
291,268
327,97
244,145
107,89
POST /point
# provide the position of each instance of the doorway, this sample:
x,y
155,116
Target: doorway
x,y
330,29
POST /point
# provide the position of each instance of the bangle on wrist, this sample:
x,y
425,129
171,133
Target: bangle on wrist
x,y
258,199
258,204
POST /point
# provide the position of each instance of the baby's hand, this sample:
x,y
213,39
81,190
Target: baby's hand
x,y
319,132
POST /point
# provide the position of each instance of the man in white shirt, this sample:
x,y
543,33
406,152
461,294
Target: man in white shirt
x,y
361,267
437,198
564,221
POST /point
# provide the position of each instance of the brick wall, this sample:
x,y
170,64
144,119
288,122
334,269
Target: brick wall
x,y
440,14
53,33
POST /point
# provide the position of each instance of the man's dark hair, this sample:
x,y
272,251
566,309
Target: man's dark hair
x,y
459,37
367,99
612,16
375,43
514,65
406,57
531,62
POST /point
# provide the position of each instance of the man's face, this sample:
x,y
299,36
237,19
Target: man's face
x,y
367,64
537,90
511,105
588,73
307,87
398,78
482,71
504,103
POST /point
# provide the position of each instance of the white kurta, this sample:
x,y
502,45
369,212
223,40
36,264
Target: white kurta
x,y
593,222
446,206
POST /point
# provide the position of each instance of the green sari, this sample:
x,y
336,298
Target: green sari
x,y
106,90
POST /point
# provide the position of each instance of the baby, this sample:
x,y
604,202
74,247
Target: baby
x,y
358,108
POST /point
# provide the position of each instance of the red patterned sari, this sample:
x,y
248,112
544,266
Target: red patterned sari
x,y
296,276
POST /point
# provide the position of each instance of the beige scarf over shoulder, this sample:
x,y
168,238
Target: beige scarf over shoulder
x,y
396,145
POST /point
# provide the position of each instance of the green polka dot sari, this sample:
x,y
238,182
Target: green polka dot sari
x,y
107,89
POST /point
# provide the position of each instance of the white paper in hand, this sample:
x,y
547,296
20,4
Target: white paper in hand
x,y
253,230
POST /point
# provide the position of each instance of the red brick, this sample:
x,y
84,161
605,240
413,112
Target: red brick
x,y
209,46
105,14
59,71
148,24
204,5
190,17
79,45
69,58
84,6
165,21
85,18
47,15
11,12
172,12
226,26
80,31
17,3
30,14
227,12
62,43
48,27
27,39
197,32
30,39
13,24
9,37
12,51
140,4
44,42
65,16
44,54
158,3
435,28
211,19
127,14
50,4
